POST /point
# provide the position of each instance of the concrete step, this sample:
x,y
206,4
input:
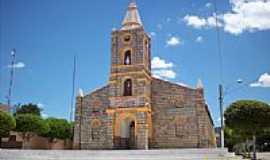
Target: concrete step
x,y
173,154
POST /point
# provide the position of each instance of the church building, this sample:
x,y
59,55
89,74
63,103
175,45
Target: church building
x,y
135,110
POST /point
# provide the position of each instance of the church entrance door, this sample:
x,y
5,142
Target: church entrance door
x,y
128,138
131,140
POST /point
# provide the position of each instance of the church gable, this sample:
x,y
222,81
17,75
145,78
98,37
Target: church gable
x,y
97,101
174,94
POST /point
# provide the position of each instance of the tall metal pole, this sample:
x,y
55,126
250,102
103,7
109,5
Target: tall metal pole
x,y
13,54
73,89
221,98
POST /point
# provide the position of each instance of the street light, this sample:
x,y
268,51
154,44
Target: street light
x,y
239,81
221,102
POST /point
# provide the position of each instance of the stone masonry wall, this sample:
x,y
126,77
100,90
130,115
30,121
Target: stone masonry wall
x,y
94,120
180,119
206,130
175,116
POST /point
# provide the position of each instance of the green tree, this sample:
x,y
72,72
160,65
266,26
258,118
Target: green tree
x,y
59,128
7,123
29,125
236,142
28,109
248,118
263,141
231,138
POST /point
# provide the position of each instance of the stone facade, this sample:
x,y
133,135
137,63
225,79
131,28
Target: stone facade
x,y
137,111
180,117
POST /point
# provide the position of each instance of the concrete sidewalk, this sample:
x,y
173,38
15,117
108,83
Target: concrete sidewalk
x,y
169,154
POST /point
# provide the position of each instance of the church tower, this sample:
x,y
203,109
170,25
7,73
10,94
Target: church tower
x,y
130,62
130,81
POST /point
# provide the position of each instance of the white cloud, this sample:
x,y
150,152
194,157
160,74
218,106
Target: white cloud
x,y
263,81
201,22
164,74
199,39
162,69
195,21
153,34
211,21
40,105
173,41
17,65
208,5
158,63
245,15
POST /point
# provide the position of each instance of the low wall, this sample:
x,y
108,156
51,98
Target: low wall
x,y
36,142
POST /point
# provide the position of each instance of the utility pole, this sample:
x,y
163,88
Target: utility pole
x,y
13,55
221,92
221,98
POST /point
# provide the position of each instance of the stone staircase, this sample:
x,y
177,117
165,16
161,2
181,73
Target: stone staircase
x,y
168,154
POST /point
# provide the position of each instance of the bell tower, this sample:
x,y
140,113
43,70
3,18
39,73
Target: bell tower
x,y
130,83
131,61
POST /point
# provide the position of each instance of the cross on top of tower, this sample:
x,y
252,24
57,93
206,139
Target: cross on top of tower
x,y
132,19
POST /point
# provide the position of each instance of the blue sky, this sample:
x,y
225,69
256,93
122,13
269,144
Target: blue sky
x,y
47,34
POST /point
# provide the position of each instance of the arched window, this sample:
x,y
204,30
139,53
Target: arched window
x,y
146,46
146,61
127,58
128,87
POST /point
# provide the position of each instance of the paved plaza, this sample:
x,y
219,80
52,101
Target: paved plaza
x,y
174,154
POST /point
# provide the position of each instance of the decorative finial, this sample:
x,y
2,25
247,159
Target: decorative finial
x,y
80,93
199,84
